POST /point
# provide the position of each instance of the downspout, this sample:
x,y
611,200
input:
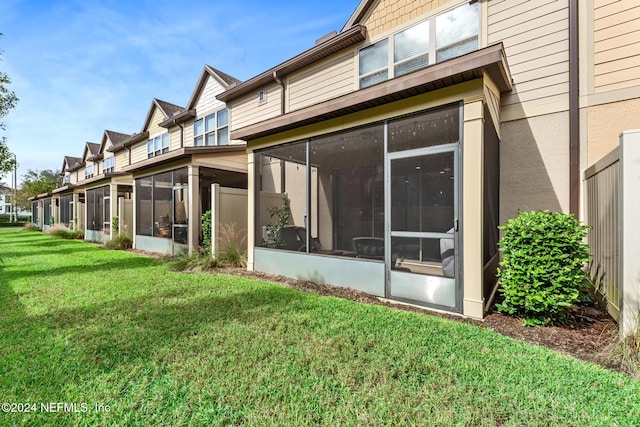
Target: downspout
x,y
282,91
181,133
574,111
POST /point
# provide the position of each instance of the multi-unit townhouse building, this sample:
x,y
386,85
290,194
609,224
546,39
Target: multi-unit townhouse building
x,y
400,143
405,138
153,185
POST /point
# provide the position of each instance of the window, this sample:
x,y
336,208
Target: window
x,y
158,145
212,129
99,209
66,210
46,215
162,205
34,212
88,172
441,37
108,164
346,199
262,97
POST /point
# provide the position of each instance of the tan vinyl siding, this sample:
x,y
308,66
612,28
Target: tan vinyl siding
x,y
325,81
616,44
207,101
174,138
227,161
188,134
536,40
154,129
388,14
247,111
139,152
122,159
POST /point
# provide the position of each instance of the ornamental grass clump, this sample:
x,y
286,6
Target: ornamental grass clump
x,y
542,273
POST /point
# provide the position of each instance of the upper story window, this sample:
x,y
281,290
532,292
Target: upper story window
x,y
108,164
66,179
88,172
212,129
441,37
158,145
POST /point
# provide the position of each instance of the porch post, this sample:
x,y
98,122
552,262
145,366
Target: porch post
x,y
472,216
113,206
251,219
76,208
194,207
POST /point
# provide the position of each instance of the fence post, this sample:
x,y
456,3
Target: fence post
x,y
630,231
215,216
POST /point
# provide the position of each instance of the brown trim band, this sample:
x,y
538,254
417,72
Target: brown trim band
x,y
490,60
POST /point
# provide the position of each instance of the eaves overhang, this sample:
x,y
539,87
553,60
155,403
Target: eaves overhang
x,y
181,154
77,167
102,177
181,117
335,44
135,138
489,61
64,188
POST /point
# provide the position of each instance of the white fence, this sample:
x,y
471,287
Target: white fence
x,y
229,213
613,212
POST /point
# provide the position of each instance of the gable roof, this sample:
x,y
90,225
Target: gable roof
x,y
116,139
168,110
69,163
358,14
91,149
224,79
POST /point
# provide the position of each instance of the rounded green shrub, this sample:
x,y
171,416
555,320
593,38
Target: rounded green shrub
x,y
541,273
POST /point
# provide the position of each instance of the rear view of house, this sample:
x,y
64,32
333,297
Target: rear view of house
x,y
403,140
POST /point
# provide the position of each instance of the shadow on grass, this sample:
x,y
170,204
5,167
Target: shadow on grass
x,y
133,262
60,251
114,334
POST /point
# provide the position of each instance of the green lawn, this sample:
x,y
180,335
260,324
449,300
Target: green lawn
x,y
79,324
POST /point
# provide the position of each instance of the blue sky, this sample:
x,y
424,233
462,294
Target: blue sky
x,y
80,67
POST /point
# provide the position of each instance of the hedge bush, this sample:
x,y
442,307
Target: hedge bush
x,y
542,273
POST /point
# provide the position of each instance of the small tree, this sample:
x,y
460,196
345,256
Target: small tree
x,y
281,215
8,101
542,273
206,232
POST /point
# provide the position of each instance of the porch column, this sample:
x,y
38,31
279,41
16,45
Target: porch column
x,y
76,208
472,217
251,219
194,207
113,205
134,215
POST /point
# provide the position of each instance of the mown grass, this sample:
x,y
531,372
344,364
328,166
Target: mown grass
x,y
82,324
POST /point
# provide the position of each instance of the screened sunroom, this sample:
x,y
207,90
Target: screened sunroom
x,y
392,190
